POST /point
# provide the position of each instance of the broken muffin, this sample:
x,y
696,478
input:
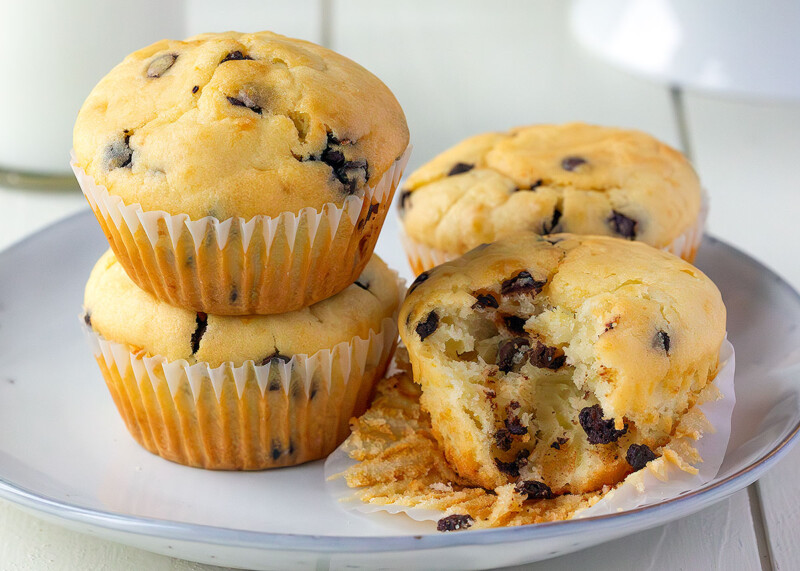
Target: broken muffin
x,y
560,364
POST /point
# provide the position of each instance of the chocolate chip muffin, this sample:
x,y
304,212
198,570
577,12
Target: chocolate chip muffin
x,y
211,159
560,363
228,392
576,178
400,463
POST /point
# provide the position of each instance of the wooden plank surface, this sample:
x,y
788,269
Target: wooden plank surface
x,y
30,544
748,154
720,537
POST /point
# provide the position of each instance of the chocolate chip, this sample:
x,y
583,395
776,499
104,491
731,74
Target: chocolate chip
x,y
599,430
202,323
534,186
559,442
522,282
490,396
362,285
534,490
160,65
405,196
235,56
425,328
459,168
544,357
515,325
276,450
195,89
484,301
276,356
511,352
549,227
420,278
571,163
622,225
639,455
87,319
333,157
234,295
274,386
515,426
373,210
245,98
512,468
454,523
662,341
119,153
502,439
349,173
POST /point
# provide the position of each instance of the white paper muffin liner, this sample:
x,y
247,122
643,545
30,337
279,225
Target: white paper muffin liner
x,y
660,480
422,257
246,417
242,267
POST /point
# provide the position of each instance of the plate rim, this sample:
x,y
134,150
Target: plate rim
x,y
232,537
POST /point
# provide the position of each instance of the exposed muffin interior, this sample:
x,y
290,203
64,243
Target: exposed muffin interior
x,y
536,410
555,383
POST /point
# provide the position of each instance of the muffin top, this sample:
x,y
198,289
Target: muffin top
x,y
548,358
238,125
121,312
576,178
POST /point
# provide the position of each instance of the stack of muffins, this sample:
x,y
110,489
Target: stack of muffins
x,y
242,180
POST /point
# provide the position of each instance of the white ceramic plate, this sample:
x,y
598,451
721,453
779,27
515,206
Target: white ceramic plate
x,y
66,455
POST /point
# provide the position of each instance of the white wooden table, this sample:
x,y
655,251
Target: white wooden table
x,y
461,67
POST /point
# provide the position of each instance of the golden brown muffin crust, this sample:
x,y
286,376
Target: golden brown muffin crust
x,y
238,125
578,178
120,311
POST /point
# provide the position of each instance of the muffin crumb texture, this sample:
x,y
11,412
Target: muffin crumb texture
x,y
401,463
560,368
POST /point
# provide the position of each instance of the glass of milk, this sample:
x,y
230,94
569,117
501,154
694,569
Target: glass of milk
x,y
54,54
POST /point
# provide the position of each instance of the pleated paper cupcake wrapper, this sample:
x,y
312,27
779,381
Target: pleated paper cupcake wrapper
x,y
663,479
247,417
422,257
242,267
